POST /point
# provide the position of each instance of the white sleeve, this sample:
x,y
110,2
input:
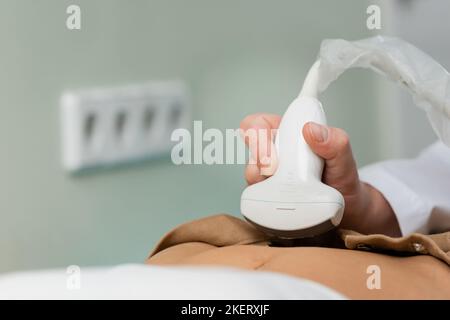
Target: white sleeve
x,y
418,190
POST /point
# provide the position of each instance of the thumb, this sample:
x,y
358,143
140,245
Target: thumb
x,y
333,145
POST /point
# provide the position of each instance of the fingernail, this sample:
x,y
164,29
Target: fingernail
x,y
271,162
271,168
319,132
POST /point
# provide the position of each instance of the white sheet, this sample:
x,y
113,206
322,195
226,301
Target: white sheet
x,y
134,281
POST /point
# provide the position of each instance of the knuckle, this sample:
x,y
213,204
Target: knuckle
x,y
245,122
249,120
342,139
249,174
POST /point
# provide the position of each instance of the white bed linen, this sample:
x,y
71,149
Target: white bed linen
x,y
136,281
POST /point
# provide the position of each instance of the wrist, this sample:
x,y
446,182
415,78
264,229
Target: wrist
x,y
357,205
373,214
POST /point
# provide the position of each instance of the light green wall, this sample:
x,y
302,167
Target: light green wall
x,y
236,56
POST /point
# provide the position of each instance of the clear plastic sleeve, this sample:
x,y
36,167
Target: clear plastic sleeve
x,y
426,80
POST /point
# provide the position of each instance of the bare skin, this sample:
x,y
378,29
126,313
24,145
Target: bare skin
x,y
417,277
366,209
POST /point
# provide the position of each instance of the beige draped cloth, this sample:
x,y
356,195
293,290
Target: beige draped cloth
x,y
412,267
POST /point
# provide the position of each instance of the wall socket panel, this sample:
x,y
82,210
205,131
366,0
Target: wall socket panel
x,y
112,126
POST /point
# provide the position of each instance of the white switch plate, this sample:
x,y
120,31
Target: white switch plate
x,y
109,126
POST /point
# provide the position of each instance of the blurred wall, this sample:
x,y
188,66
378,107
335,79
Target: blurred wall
x,y
237,57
